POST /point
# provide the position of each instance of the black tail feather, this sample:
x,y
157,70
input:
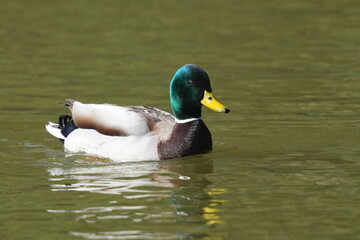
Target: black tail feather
x,y
66,124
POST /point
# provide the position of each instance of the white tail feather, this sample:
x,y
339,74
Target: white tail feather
x,y
53,129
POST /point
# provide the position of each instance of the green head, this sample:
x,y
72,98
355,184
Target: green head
x,y
189,89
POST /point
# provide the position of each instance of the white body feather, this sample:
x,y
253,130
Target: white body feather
x,y
120,149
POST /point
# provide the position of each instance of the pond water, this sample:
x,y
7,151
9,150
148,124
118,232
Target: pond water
x,y
286,159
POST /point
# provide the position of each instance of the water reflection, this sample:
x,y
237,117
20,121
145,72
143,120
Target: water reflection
x,y
121,235
164,192
111,179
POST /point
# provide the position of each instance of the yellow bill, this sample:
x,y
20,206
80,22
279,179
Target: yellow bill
x,y
210,101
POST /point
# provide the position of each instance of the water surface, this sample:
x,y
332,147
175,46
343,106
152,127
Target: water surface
x,y
285,163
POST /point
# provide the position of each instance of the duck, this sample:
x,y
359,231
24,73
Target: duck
x,y
139,133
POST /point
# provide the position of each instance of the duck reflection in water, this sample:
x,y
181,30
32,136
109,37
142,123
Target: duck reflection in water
x,y
180,190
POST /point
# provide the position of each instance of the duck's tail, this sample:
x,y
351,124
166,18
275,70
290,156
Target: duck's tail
x,y
53,129
62,129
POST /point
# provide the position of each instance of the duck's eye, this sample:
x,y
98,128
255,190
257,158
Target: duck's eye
x,y
191,82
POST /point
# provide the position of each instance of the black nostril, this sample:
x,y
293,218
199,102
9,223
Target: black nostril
x,y
227,110
210,98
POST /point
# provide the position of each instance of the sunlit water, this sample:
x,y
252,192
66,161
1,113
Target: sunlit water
x,y
285,163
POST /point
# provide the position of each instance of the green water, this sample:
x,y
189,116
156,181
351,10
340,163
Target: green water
x,y
286,160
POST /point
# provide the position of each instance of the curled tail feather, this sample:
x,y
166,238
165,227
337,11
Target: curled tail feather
x,y
61,129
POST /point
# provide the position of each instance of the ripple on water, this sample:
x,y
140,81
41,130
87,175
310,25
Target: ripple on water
x,y
134,180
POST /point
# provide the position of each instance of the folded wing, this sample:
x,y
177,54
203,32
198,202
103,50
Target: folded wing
x,y
115,120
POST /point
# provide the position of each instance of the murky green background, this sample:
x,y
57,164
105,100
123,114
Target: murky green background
x,y
286,160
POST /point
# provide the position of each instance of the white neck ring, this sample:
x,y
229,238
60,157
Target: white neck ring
x,y
186,120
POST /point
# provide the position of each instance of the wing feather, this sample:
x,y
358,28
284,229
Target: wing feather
x,y
119,120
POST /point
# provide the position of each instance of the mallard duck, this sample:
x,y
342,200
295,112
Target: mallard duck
x,y
133,133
